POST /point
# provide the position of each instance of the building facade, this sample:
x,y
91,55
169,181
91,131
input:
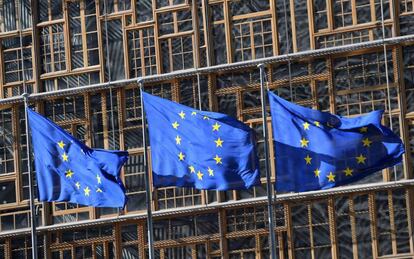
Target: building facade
x,y
52,46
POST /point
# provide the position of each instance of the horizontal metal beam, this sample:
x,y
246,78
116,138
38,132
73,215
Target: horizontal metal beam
x,y
354,189
217,68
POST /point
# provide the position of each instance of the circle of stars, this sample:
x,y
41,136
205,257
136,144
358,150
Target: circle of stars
x,y
182,157
70,174
349,172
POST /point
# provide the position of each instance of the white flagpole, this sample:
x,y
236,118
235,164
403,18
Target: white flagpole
x,y
31,191
272,238
147,182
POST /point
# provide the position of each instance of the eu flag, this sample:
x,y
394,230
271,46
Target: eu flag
x,y
68,170
317,150
205,150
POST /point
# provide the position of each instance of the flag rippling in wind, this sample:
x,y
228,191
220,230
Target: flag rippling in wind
x,y
68,170
317,150
204,150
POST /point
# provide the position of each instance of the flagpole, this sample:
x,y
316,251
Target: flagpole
x,y
31,191
203,192
147,182
272,238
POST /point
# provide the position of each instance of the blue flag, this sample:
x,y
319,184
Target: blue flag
x,y
68,170
205,150
317,150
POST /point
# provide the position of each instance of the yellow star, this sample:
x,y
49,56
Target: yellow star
x,y
87,191
175,125
181,156
218,160
210,172
361,159
216,127
194,113
219,142
178,140
182,115
304,142
206,118
363,129
366,142
348,171
77,185
308,159
331,177
192,169
200,175
306,126
65,157
98,190
69,173
98,178
317,124
61,144
317,172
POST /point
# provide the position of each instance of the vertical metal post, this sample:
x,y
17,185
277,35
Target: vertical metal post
x,y
31,191
207,31
147,182
386,76
288,47
203,192
272,238
199,91
108,64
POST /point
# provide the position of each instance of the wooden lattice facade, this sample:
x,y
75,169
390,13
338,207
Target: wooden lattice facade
x,y
51,45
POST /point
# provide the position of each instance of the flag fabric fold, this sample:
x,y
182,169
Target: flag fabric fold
x,y
204,150
318,150
68,170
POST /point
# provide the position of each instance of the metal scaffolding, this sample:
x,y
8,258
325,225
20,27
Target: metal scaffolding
x,y
218,68
209,207
251,64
